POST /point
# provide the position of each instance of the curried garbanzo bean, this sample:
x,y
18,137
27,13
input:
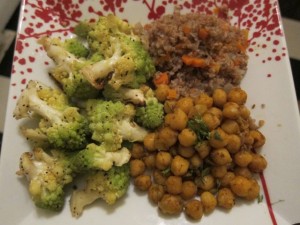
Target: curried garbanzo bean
x,y
209,201
202,157
194,209
156,192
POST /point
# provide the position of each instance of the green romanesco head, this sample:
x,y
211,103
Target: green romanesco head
x,y
135,66
73,83
72,133
95,157
83,28
114,183
76,47
150,116
144,66
60,124
47,174
108,185
104,117
55,98
52,200
100,32
111,34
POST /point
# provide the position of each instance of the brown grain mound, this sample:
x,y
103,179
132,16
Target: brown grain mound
x,y
199,52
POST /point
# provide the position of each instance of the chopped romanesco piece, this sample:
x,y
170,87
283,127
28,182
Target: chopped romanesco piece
x,y
47,175
60,124
107,185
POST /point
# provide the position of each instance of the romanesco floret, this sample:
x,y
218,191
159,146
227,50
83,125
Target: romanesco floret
x,y
125,57
123,94
107,185
95,157
60,124
47,175
82,29
151,115
112,122
68,65
76,47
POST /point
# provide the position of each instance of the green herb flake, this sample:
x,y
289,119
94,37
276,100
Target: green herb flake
x,y
200,128
166,172
260,198
217,136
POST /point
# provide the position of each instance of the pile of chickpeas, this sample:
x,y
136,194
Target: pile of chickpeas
x,y
181,173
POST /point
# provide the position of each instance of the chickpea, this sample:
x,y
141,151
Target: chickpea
x,y
245,112
225,198
206,183
203,149
243,158
159,177
230,126
194,209
259,138
170,204
258,163
218,138
248,139
156,192
174,185
209,201
242,171
195,161
137,167
218,171
149,141
211,120
163,160
219,97
137,151
216,111
234,143
162,92
231,110
177,120
225,181
221,156
166,137
149,161
253,191
142,182
197,111
240,186
189,190
187,137
186,152
237,95
185,104
179,166
169,106
204,99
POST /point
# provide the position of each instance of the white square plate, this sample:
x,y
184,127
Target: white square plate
x,y
268,82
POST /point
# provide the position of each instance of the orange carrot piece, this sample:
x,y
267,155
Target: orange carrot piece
x,y
194,61
163,78
186,30
203,33
216,10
